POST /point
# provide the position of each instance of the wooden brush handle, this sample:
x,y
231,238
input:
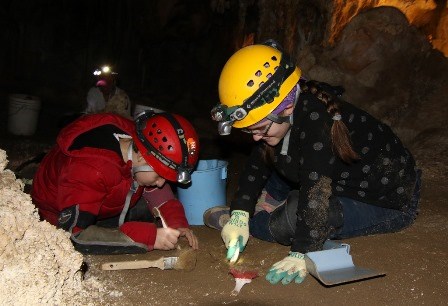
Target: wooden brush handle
x,y
134,264
157,214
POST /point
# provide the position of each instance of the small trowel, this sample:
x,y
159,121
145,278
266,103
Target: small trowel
x,y
163,263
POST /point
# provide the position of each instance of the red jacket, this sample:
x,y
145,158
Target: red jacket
x,y
97,180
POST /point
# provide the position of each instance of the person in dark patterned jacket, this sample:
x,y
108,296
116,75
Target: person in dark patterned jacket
x,y
349,174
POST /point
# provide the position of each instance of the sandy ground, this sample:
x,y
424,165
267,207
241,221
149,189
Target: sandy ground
x,y
414,260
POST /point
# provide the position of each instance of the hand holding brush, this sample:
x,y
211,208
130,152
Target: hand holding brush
x,y
185,232
167,237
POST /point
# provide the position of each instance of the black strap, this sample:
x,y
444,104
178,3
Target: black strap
x,y
274,44
269,90
71,217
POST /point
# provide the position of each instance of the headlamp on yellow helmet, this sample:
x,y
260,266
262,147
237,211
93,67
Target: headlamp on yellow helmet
x,y
253,82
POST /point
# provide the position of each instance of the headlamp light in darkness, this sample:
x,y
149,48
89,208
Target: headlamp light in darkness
x,y
218,114
104,70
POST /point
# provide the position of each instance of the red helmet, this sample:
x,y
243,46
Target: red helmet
x,y
168,143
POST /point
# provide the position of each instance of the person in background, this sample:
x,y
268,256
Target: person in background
x,y
349,175
105,96
105,181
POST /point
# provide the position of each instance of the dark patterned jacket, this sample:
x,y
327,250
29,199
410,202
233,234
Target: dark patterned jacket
x,y
384,176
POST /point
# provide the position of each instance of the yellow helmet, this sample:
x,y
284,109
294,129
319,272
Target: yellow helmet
x,y
253,82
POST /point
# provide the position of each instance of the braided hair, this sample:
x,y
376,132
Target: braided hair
x,y
340,138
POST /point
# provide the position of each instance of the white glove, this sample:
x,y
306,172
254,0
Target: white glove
x,y
236,233
291,267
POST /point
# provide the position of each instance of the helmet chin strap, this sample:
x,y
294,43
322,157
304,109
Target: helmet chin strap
x,y
285,145
134,185
135,170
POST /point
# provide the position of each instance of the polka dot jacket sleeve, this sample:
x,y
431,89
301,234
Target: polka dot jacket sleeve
x,y
251,181
315,167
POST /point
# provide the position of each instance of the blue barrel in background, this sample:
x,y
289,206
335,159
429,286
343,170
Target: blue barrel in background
x,y
207,189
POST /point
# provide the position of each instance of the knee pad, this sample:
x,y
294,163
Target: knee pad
x,y
283,220
100,240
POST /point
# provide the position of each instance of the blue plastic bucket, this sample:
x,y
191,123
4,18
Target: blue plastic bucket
x,y
207,189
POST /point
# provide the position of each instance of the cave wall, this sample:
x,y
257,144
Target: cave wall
x,y
302,23
165,51
169,52
56,44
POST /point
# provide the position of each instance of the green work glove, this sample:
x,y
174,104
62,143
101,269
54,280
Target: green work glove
x,y
236,233
291,267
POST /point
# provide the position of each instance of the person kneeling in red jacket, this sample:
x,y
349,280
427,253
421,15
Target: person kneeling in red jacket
x,y
106,176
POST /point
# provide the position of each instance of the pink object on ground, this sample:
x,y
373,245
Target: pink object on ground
x,y
241,278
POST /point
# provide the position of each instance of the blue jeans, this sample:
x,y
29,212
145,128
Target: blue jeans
x,y
360,219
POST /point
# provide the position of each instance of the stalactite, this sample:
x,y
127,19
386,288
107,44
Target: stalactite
x,y
268,23
440,39
291,20
242,9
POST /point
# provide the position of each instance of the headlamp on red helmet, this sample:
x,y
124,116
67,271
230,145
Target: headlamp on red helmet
x,y
168,143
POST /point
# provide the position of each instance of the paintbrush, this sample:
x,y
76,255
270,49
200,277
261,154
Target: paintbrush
x,y
185,261
157,214
163,263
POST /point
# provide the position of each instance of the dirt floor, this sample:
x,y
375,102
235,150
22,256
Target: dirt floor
x,y
415,260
